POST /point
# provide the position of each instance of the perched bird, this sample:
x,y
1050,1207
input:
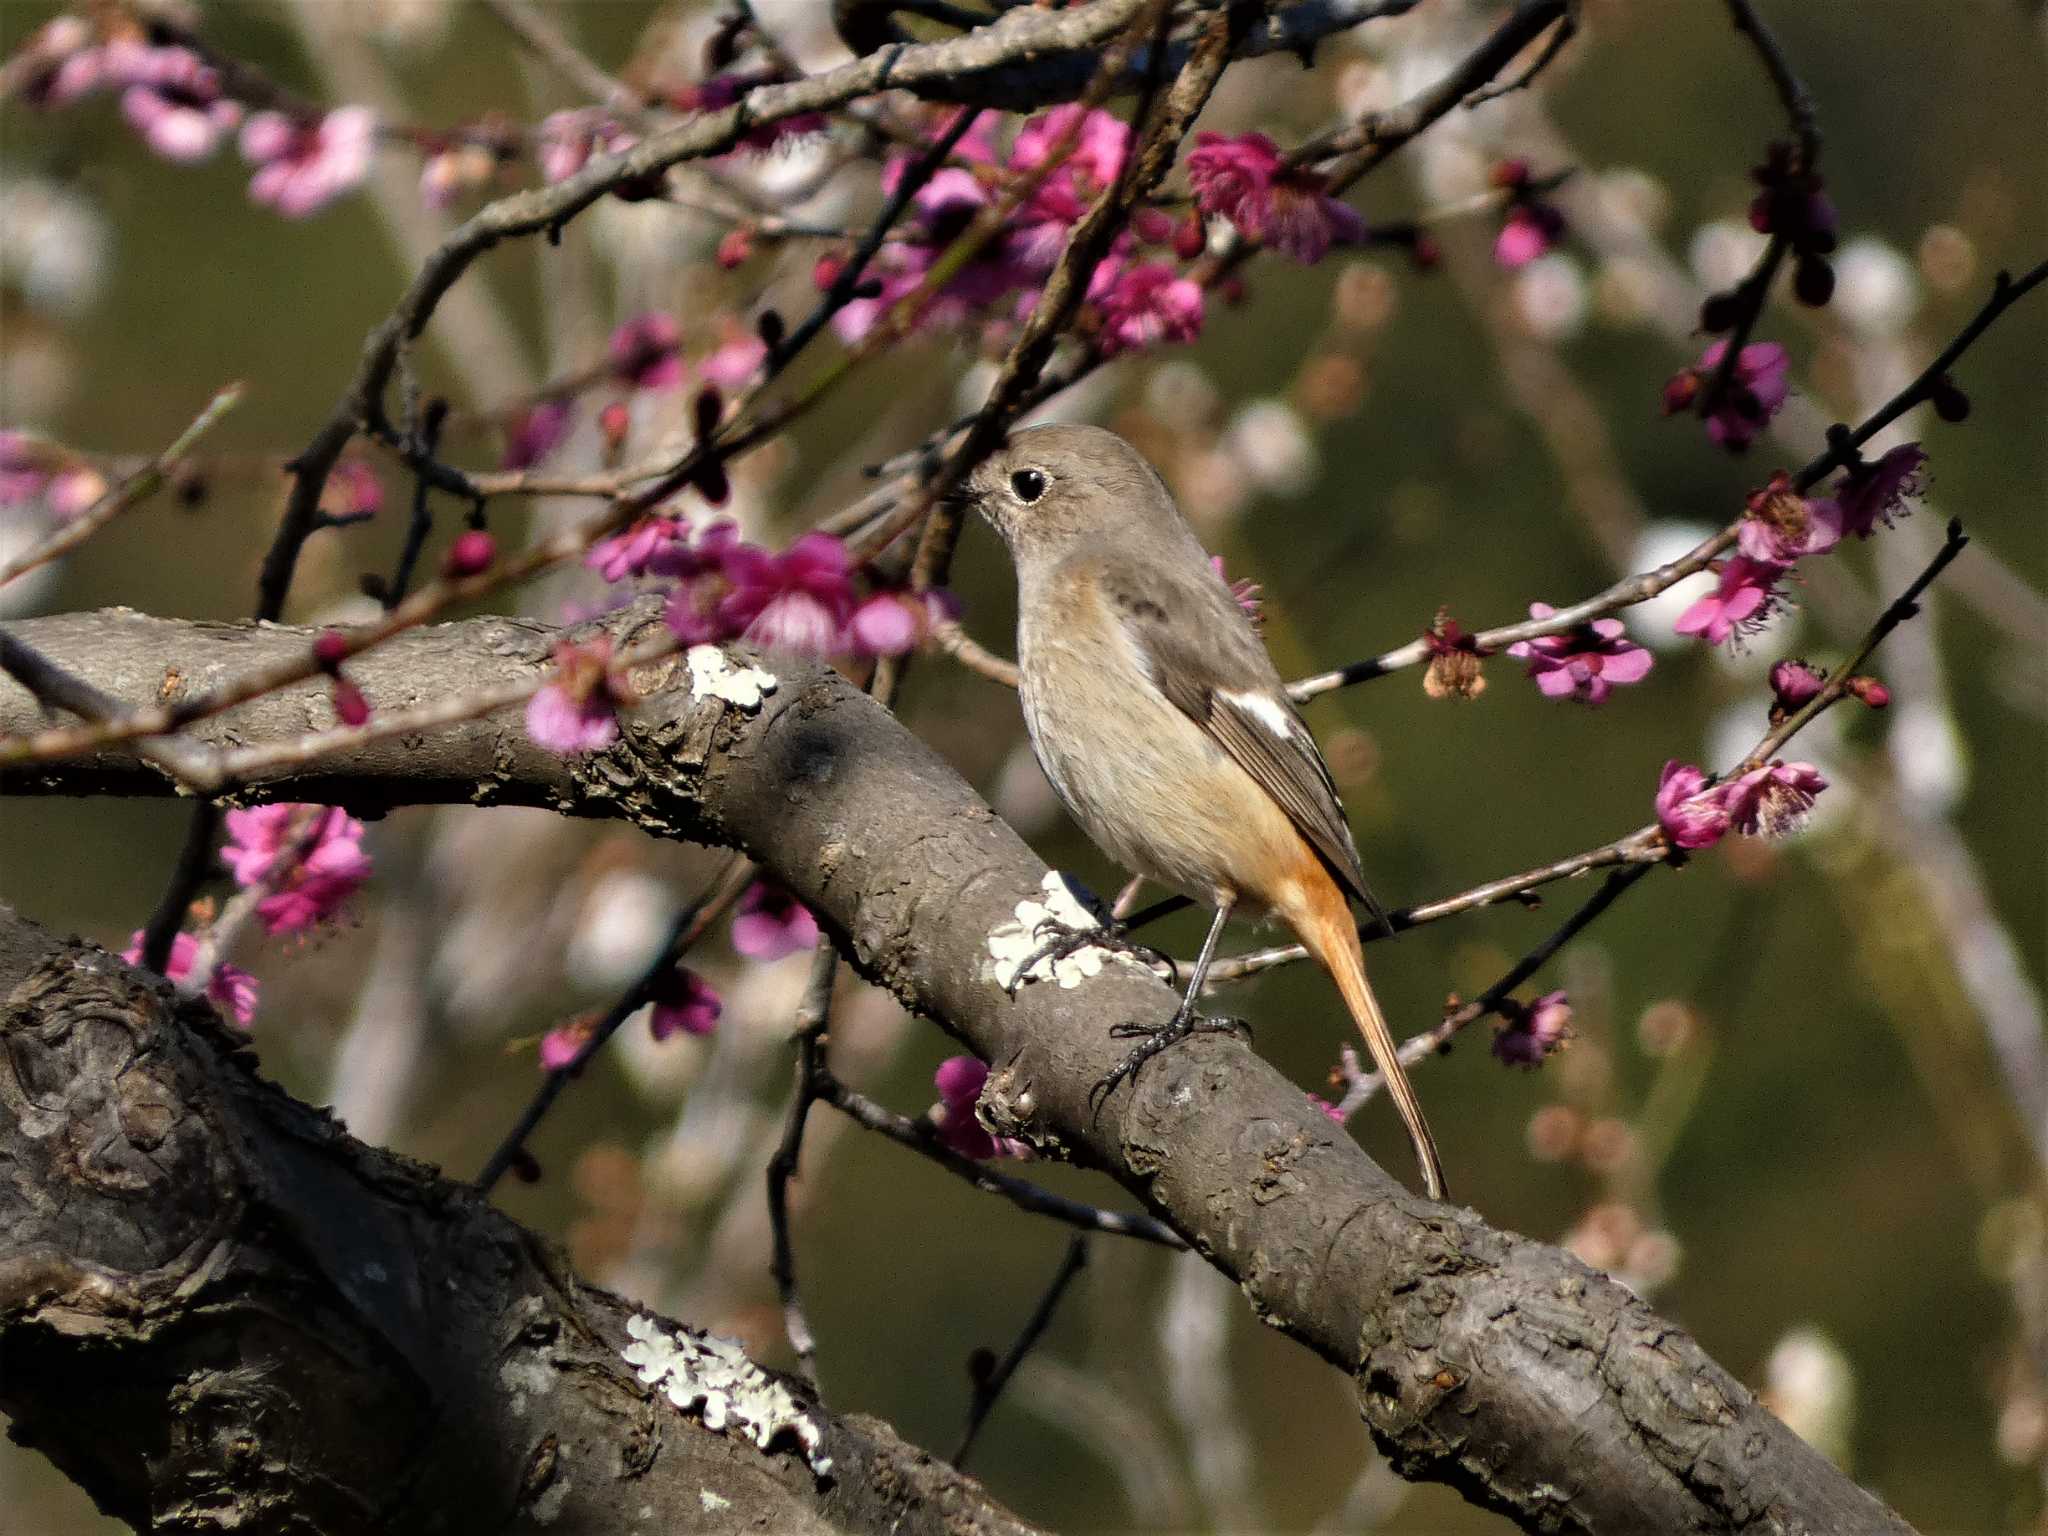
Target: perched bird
x,y
1161,722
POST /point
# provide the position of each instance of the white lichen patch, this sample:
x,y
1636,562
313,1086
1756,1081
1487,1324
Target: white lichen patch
x,y
712,1502
727,1391
712,673
1067,904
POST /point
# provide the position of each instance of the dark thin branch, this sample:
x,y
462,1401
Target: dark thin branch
x,y
813,1020
689,926
919,1137
1566,29
989,1384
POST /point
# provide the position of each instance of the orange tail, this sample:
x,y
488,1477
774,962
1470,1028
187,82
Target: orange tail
x,y
1326,929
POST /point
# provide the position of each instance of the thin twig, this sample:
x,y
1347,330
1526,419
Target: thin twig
x,y
131,492
989,1387
689,926
813,1018
919,1137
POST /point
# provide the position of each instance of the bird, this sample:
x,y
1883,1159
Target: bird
x,y
1164,728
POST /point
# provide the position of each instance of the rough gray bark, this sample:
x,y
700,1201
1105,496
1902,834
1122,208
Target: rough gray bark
x,y
1498,1365
220,1312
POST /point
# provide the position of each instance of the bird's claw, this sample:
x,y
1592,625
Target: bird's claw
x,y
1067,939
1154,1038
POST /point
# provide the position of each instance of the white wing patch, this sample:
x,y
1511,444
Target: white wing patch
x,y
1266,709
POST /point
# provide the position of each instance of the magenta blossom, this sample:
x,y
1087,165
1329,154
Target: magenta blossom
x,y
304,166
647,352
1528,1032
1793,683
626,555
307,859
560,1046
1583,663
960,1080
734,362
352,492
894,623
1689,811
1772,801
535,434
32,469
1102,142
683,1001
565,141
1877,492
1531,229
1741,603
1334,1113
470,553
578,710
1149,304
1782,526
771,923
1756,390
230,989
1244,180
172,98
798,600
721,91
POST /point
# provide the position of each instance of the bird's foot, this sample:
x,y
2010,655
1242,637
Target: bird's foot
x,y
1067,939
1154,1038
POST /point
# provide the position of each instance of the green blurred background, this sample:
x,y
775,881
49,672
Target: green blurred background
x,y
1815,1141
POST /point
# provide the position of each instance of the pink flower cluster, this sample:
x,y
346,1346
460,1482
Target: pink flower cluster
x,y
1771,801
1532,227
302,165
1756,390
229,988
306,859
683,1003
960,1080
804,599
174,99
1245,180
1136,303
32,469
1583,663
1782,526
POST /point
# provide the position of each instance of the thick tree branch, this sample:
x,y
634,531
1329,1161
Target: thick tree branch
x,y
1501,1366
218,1311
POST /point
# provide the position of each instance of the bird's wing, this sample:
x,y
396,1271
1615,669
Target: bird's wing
x,y
1212,666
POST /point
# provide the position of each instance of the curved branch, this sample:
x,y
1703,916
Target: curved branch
x,y
308,1334
1502,1366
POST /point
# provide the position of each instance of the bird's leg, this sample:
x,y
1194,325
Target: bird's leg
x,y
1154,1038
1113,935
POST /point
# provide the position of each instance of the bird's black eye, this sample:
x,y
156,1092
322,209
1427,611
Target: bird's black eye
x,y
1029,484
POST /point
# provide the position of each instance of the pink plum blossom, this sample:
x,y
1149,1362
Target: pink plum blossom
x,y
771,923
1102,141
1742,601
566,140
1782,526
798,600
352,492
1793,683
735,361
172,98
1531,1031
626,555
560,1046
646,352
1772,801
683,1001
307,859
230,989
1531,229
1877,492
887,624
1688,809
1334,1113
301,167
1245,180
578,710
535,434
1758,387
1584,663
960,1080
1149,304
